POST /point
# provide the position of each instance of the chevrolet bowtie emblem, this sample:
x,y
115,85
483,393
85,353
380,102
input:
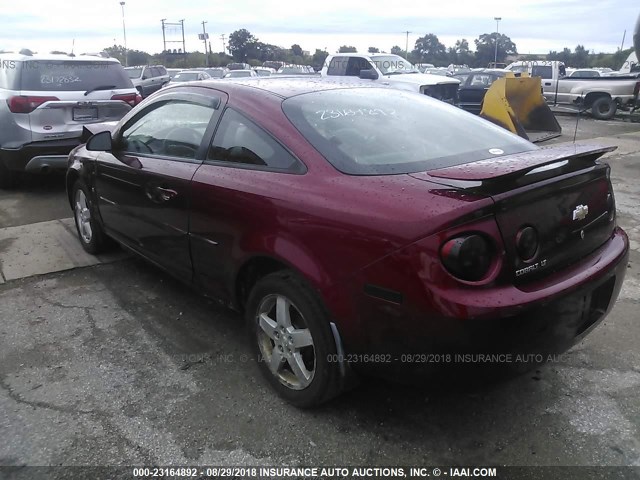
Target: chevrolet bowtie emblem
x,y
581,212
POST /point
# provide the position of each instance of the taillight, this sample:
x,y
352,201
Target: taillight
x,y
468,257
27,104
131,98
527,243
636,90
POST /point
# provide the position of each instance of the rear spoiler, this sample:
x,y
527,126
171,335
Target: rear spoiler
x,y
89,130
519,164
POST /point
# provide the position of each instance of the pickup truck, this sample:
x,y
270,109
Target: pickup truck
x,y
601,95
391,70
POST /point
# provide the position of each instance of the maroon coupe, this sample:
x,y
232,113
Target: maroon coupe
x,y
356,225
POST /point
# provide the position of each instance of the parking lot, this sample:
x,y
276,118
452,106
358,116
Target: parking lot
x,y
110,361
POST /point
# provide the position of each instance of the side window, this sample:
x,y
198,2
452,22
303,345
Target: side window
x,y
174,128
240,141
356,64
155,72
544,71
161,70
337,66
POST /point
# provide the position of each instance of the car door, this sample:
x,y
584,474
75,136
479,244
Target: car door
x,y
231,200
156,79
143,185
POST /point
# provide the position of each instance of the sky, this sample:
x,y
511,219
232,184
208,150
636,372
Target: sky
x,y
536,26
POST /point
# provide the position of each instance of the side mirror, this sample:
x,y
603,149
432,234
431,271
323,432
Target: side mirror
x,y
369,74
100,142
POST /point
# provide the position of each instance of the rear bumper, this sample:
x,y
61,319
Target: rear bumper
x,y
512,322
33,157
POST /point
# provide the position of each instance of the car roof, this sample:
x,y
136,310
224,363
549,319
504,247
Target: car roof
x,y
287,86
56,56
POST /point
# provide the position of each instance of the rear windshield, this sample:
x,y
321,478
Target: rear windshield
x,y
216,72
185,76
56,75
373,131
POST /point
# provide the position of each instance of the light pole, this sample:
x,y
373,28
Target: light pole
x,y
124,31
495,58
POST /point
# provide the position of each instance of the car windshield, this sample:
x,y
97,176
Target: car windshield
x,y
56,75
368,131
185,76
133,72
393,65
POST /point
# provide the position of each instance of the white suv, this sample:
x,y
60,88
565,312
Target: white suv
x,y
45,100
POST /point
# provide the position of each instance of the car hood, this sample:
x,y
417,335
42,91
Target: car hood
x,y
420,79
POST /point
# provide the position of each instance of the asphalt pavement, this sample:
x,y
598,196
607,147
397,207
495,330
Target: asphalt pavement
x,y
113,362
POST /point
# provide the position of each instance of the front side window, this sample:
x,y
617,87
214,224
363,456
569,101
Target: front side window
x,y
355,64
393,65
376,131
174,128
240,141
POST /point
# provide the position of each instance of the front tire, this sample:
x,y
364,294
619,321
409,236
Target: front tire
x,y
90,232
291,336
604,108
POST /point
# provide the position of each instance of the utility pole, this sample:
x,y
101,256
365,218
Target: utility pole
x,y
624,35
406,46
164,38
184,47
204,39
224,47
495,58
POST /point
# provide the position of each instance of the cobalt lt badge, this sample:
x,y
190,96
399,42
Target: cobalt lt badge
x,y
581,212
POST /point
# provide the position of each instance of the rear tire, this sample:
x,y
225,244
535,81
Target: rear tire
x,y
291,336
7,177
90,232
604,108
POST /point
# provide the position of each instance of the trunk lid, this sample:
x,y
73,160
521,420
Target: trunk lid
x,y
562,192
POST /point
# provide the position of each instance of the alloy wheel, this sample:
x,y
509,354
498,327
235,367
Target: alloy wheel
x,y
285,342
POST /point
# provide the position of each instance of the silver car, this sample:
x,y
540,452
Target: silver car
x,y
148,78
45,100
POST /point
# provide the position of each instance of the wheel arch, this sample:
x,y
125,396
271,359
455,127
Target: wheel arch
x,y
259,265
593,96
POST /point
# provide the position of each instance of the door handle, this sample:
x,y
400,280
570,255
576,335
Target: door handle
x,y
166,194
547,84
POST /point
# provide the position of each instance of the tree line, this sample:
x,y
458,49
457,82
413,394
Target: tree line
x,y
245,47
